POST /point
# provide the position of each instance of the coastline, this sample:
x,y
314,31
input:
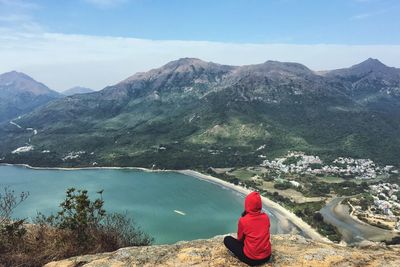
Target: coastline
x,y
286,218
283,214
352,229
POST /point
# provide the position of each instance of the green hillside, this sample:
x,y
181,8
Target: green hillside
x,y
194,114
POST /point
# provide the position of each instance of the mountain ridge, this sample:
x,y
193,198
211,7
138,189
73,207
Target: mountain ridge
x,y
191,108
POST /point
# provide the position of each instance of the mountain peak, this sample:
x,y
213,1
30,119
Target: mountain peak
x,y
289,66
187,62
20,93
22,82
13,76
181,66
371,66
372,63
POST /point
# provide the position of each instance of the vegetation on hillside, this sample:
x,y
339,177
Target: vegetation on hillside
x,y
82,226
195,114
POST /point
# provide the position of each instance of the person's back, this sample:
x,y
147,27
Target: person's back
x,y
253,243
253,228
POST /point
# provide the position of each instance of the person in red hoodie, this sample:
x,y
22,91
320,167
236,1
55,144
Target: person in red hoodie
x,y
252,245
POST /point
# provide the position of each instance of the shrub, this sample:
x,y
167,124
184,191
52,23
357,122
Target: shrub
x,y
8,202
282,186
78,213
318,217
292,160
11,231
82,226
315,166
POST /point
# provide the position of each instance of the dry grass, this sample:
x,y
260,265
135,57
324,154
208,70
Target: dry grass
x,y
42,244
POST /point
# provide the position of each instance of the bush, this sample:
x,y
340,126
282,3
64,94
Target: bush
x,y
282,186
394,241
10,230
267,177
78,214
292,160
88,221
81,227
318,217
318,189
8,202
299,213
315,166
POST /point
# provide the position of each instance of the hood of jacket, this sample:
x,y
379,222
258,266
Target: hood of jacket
x,y
252,202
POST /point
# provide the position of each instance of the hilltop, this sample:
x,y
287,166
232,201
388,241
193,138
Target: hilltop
x,y
20,94
289,250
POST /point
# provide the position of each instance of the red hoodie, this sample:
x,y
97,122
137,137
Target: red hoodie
x,y
254,229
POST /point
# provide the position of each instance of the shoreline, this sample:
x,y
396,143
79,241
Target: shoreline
x,y
280,210
352,229
286,218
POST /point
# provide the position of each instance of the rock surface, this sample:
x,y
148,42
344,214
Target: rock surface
x,y
288,250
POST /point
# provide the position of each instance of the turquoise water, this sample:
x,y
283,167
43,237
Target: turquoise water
x,y
149,197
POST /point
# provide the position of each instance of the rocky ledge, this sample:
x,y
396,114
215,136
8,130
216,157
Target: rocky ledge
x,y
288,250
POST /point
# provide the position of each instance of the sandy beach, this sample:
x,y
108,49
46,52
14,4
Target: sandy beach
x,y
288,221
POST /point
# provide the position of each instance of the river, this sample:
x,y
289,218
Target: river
x,y
353,231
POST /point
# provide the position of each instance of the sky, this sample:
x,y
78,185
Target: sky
x,y
95,43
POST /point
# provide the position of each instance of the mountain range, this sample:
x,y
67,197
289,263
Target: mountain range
x,y
193,114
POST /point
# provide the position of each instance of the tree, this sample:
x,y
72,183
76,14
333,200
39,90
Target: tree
x,y
82,226
8,202
87,220
318,217
9,228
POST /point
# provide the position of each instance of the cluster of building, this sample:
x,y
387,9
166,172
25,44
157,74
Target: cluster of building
x,y
385,207
385,197
362,168
73,155
22,149
293,162
300,163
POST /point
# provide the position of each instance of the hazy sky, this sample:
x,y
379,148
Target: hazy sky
x,y
95,43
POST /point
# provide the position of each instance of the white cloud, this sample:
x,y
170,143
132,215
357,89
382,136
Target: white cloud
x,y
16,15
62,61
18,4
106,3
362,16
369,14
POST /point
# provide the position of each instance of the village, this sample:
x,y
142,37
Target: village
x,y
378,205
300,163
381,208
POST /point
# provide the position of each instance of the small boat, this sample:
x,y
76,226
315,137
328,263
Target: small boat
x,y
180,212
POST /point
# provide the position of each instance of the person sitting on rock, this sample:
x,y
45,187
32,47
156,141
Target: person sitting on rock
x,y
252,245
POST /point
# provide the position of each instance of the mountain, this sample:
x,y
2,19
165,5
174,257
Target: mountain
x,y
20,94
369,79
194,114
77,90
